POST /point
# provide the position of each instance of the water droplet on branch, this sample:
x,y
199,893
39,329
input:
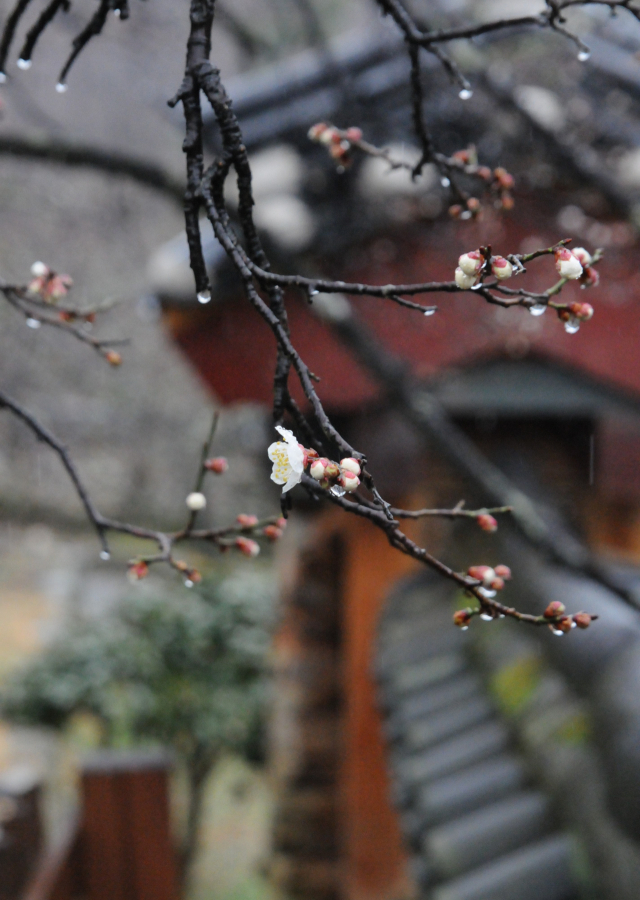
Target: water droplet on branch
x,y
188,583
465,94
61,87
33,323
204,296
584,55
538,309
24,63
105,555
338,491
3,77
444,181
486,617
430,311
572,326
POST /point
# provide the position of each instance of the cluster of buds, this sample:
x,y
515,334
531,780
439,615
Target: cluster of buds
x,y
560,623
340,477
47,284
492,579
499,182
474,264
338,142
72,315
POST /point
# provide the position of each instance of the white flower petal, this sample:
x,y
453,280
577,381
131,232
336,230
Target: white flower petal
x,y
294,479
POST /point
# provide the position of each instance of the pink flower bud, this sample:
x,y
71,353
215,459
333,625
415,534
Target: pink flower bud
x,y
461,618
464,281
272,532
554,609
582,311
565,624
316,131
496,585
504,178
583,256
245,521
349,464
331,470
567,265
308,455
582,620
501,267
317,468
487,522
113,358
354,134
281,523
471,262
590,277
218,464
485,574
348,480
247,546
137,571
503,572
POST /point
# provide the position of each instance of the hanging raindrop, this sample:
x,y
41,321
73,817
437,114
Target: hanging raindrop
x,y
61,87
430,311
3,77
24,63
584,55
538,309
486,592
204,296
557,632
338,491
105,555
464,628
465,94
313,292
444,181
476,287
486,617
33,323
117,13
188,583
572,325
466,215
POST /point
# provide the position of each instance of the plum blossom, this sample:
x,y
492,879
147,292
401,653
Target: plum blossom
x,y
288,460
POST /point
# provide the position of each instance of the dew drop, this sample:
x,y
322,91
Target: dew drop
x,y
538,309
204,296
584,55
117,13
33,323
313,292
338,491
476,287
105,555
557,632
188,583
61,87
486,617
466,215
444,181
430,311
464,628
465,94
502,616
572,326
486,592
3,77
24,63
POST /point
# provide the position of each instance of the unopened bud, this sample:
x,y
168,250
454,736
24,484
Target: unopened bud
x,y
455,211
281,523
501,267
487,522
245,521
247,546
583,256
554,609
308,455
218,465
349,464
503,572
331,470
348,480
496,585
196,501
567,265
353,134
582,620
317,468
471,262
564,625
590,277
464,281
504,178
473,205
113,358
582,311
194,576
485,574
137,571
316,130
461,618
272,532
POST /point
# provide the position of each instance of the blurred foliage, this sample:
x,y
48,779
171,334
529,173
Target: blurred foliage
x,y
186,670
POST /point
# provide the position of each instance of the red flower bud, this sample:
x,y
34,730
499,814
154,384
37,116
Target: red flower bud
x,y
461,618
113,358
582,620
138,570
354,134
503,572
247,546
281,523
496,585
217,464
565,624
272,532
245,521
554,609
485,574
487,522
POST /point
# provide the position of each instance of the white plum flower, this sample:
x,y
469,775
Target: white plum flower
x,y
288,460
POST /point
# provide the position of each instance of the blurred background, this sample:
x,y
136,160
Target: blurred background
x,y
309,724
